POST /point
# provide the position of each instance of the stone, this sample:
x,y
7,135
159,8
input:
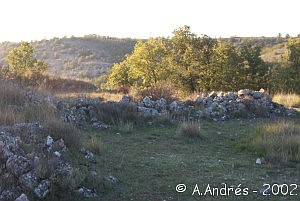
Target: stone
x,y
147,112
198,100
231,96
125,99
22,197
49,141
18,165
148,102
42,189
29,181
160,105
87,193
257,94
174,106
100,125
258,161
57,154
88,154
112,179
221,94
244,92
213,94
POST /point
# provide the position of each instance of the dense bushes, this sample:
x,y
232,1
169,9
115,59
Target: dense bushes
x,y
190,63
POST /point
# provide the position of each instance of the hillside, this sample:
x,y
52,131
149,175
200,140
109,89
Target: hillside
x,y
77,57
92,55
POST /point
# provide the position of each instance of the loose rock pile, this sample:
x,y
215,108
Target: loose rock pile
x,y
222,106
80,112
22,172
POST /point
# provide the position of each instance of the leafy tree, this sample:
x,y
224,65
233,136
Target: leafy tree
x,y
255,70
190,59
22,63
145,67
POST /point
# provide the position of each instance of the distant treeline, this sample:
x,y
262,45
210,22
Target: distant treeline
x,y
190,63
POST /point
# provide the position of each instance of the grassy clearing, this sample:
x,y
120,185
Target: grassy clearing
x,y
288,100
150,161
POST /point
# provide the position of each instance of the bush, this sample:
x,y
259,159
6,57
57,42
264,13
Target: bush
x,y
189,130
157,92
277,142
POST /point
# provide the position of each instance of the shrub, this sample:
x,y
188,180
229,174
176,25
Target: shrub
x,y
277,142
189,129
156,92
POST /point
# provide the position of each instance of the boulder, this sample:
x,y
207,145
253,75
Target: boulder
x,y
174,106
22,197
147,112
29,181
42,189
125,99
148,102
160,105
18,165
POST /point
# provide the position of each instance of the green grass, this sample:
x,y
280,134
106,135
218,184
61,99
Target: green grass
x,y
150,161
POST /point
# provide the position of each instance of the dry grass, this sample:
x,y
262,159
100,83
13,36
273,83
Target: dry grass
x,y
117,113
95,145
105,96
189,129
288,100
58,129
278,141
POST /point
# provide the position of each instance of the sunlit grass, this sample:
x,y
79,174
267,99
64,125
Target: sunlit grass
x,y
288,100
278,141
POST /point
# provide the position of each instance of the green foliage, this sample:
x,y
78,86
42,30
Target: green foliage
x,y
190,63
285,76
22,63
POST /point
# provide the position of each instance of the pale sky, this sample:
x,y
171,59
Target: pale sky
x,y
38,19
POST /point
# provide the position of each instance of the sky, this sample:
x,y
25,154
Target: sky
x,y
44,19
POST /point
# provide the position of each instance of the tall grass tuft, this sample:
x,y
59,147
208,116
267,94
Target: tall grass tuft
x,y
277,142
189,129
67,131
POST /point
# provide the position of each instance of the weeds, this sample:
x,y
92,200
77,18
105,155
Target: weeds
x,y
116,113
189,129
278,142
58,129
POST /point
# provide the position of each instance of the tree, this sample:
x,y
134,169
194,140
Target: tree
x,y
22,63
190,60
145,67
255,70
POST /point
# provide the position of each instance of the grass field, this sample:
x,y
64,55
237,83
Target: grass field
x,y
150,161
